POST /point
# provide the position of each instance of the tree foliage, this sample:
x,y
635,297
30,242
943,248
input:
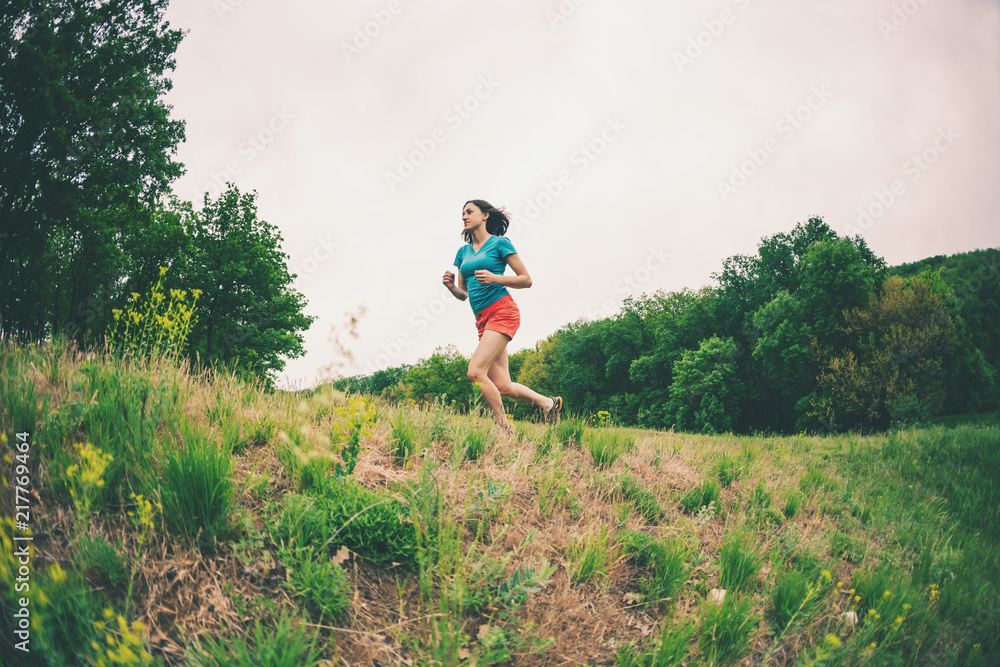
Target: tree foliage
x,y
705,393
811,332
86,142
250,317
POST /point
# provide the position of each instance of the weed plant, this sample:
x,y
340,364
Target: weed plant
x,y
318,581
643,501
670,650
570,432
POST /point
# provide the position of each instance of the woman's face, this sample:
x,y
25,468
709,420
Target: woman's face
x,y
472,217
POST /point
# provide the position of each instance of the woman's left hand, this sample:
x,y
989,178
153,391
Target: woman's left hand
x,y
484,277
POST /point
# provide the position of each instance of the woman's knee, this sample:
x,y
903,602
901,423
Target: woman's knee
x,y
476,375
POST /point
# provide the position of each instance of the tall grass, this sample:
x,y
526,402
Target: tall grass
x,y
198,488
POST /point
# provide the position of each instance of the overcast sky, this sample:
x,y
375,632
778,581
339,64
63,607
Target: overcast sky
x,y
637,144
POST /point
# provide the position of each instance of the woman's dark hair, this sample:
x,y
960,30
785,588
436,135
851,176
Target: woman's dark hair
x,y
496,223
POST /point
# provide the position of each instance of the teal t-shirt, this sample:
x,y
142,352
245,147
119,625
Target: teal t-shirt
x,y
491,258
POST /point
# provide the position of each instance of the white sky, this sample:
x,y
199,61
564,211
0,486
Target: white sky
x,y
551,78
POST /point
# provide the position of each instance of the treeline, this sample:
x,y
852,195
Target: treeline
x,y
813,332
87,218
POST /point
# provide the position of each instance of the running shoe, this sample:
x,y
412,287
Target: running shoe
x,y
552,416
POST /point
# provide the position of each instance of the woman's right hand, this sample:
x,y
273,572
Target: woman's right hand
x,y
449,279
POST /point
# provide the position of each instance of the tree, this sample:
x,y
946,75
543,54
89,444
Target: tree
x,y
705,394
85,143
444,374
891,367
249,316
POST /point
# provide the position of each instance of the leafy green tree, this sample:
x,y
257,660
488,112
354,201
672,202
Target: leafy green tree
x,y
675,322
705,394
249,316
442,375
836,276
86,142
784,354
892,365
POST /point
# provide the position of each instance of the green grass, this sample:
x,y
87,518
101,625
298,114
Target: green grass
x,y
403,439
198,489
707,493
739,563
607,446
591,556
727,629
457,551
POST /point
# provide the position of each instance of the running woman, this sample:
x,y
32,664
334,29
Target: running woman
x,y
481,263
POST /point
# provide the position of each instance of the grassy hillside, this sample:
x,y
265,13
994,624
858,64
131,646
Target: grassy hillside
x,y
182,519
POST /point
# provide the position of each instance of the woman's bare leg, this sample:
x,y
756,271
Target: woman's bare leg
x,y
491,346
500,375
